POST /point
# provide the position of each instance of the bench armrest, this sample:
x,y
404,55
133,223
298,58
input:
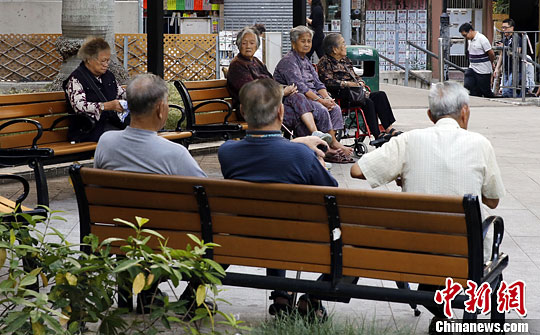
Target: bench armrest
x,y
26,189
38,126
87,120
498,233
213,101
182,117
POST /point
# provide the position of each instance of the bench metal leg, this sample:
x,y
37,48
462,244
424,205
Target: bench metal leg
x,y
41,182
496,317
405,286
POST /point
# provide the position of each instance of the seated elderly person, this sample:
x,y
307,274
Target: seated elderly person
x,y
245,67
337,73
92,90
296,68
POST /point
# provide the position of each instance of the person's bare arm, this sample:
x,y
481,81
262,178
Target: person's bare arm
x,y
356,172
491,55
491,203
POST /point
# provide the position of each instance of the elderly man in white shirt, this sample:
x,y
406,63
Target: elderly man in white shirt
x,y
443,159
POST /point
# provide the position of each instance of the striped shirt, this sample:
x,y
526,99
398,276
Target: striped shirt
x,y
478,54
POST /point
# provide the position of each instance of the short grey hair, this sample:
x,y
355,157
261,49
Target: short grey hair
x,y
260,100
330,42
298,31
244,32
447,98
144,92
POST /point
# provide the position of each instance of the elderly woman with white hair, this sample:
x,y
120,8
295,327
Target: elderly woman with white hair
x,y
245,67
296,68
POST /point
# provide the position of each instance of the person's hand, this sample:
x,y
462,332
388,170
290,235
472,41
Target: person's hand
x,y
291,89
113,105
327,102
313,142
308,20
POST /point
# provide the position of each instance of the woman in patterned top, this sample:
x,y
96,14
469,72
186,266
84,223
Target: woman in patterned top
x,y
92,90
336,72
296,68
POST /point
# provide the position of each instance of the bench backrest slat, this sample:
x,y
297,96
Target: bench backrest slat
x,y
24,98
215,117
33,110
25,139
398,236
208,94
46,122
205,84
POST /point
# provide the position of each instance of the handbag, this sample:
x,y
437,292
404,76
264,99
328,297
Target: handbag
x,y
353,96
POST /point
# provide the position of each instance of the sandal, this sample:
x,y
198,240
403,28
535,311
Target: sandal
x,y
280,308
392,132
339,158
311,308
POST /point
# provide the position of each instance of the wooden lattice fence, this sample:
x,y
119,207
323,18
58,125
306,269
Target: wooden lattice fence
x,y
33,57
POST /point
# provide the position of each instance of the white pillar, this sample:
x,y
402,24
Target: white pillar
x,y
346,20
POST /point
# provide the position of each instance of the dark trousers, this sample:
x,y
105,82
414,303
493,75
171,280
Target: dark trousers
x,y
479,85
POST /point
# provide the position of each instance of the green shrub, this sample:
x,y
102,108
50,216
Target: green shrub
x,y
79,289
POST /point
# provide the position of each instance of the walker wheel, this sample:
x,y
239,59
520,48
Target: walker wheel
x,y
360,148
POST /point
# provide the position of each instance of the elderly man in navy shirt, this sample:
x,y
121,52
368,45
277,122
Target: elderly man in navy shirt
x,y
265,156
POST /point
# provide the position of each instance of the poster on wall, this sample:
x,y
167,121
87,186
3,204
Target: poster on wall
x,y
336,25
395,4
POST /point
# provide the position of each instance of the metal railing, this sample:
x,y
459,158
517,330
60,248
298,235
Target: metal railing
x,y
526,80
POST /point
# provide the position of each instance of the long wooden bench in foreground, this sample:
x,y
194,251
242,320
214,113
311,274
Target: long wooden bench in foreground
x,y
393,236
33,131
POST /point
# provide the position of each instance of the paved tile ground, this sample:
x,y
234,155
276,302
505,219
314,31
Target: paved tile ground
x,y
518,154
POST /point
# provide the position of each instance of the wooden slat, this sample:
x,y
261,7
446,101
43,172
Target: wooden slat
x,y
407,262
265,227
142,200
175,135
208,94
159,219
271,264
68,148
25,139
210,118
398,276
394,276
283,192
301,252
175,239
213,107
9,99
29,110
45,122
404,240
406,220
268,209
7,206
201,84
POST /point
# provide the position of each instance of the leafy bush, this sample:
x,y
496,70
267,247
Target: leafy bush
x,y
79,290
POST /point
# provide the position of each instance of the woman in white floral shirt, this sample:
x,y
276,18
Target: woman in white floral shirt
x,y
92,90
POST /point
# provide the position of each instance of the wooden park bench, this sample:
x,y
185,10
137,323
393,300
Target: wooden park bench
x,y
208,109
393,236
33,130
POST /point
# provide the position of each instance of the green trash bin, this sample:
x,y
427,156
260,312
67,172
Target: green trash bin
x,y
366,59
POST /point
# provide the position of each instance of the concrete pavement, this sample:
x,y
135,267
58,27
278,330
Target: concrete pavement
x,y
518,154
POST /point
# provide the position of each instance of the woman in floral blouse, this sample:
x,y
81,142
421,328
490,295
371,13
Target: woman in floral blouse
x,y
336,72
92,90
